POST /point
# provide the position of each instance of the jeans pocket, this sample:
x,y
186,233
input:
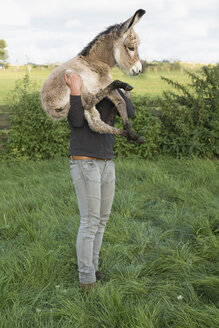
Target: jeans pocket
x,y
75,171
90,170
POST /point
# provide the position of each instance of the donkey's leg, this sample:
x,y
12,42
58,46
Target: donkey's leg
x,y
97,125
95,99
92,115
119,102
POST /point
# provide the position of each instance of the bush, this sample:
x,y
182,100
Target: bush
x,y
190,117
145,123
184,123
32,133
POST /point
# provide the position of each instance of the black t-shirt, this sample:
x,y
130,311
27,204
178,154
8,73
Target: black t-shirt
x,y
84,141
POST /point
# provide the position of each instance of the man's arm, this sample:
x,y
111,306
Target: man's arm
x,y
76,112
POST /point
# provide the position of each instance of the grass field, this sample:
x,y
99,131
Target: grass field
x,y
160,247
8,78
149,82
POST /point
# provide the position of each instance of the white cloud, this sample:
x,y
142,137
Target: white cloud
x,y
12,14
48,30
71,23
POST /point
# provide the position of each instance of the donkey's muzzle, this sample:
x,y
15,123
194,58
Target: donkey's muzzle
x,y
136,69
135,73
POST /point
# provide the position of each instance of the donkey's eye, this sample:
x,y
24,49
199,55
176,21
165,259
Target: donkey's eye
x,y
131,48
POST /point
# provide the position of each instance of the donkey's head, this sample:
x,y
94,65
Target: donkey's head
x,y
126,47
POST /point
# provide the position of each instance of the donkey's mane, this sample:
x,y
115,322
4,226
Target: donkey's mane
x,y
114,28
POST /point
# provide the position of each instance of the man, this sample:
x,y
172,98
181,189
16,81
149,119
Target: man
x,y
93,175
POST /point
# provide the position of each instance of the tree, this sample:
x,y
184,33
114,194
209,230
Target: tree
x,y
3,51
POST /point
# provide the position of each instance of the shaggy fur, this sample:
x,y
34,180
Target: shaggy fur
x,y
118,45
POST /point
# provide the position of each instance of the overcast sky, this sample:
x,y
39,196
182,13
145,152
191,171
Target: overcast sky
x,y
48,31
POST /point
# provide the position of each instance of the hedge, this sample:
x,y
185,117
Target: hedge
x,y
181,123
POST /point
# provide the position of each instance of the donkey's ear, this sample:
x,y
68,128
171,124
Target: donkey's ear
x,y
132,20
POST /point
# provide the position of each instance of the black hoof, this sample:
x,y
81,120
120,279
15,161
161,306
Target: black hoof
x,y
141,140
119,84
135,138
126,87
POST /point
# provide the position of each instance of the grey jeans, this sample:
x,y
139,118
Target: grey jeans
x,y
94,182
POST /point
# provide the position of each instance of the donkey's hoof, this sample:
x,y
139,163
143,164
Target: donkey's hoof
x,y
141,140
119,84
126,86
135,138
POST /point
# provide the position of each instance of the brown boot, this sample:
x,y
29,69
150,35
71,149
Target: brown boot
x,y
88,286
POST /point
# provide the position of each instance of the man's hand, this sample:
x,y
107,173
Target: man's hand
x,y
74,81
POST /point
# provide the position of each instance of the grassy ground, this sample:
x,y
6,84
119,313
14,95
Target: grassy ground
x,y
149,82
9,76
160,247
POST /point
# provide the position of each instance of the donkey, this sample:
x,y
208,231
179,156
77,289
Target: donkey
x,y
117,45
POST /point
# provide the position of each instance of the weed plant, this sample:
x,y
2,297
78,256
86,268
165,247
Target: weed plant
x,y
160,247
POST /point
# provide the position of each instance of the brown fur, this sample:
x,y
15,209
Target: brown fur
x,y
116,46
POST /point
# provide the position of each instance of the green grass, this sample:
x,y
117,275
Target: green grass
x,y
8,78
160,247
149,82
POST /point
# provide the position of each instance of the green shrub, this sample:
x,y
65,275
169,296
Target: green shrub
x,y
184,123
190,117
32,133
188,120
